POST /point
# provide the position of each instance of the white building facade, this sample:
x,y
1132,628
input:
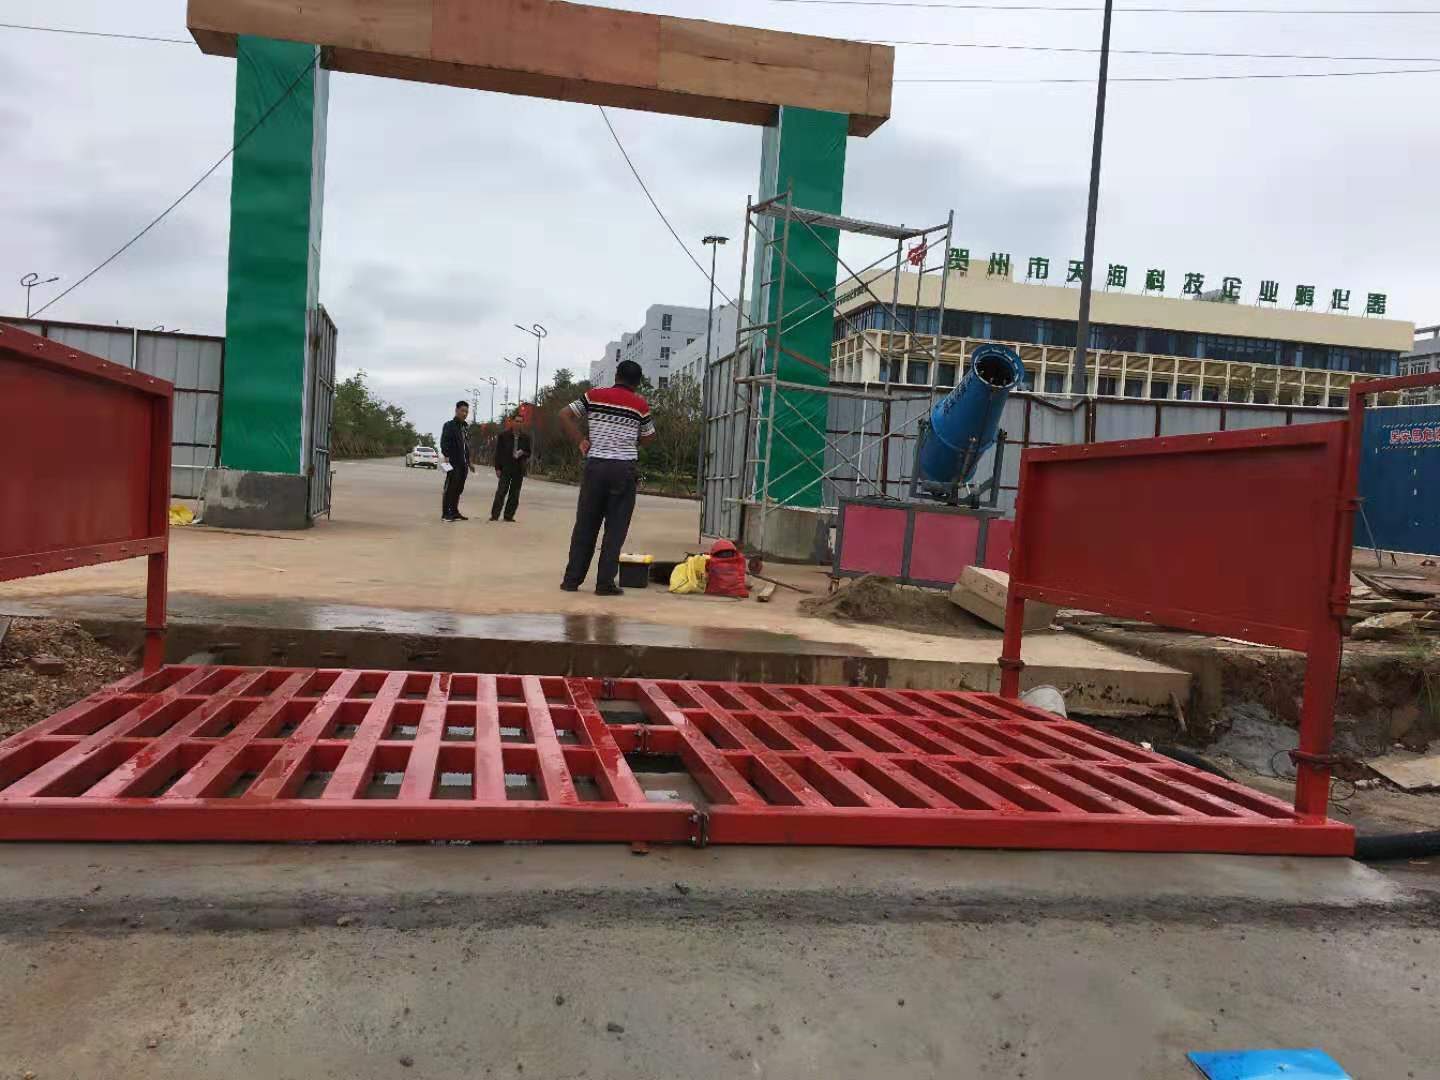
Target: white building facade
x,y
690,361
667,330
1424,359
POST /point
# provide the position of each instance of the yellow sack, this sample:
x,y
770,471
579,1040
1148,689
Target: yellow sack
x,y
181,515
689,576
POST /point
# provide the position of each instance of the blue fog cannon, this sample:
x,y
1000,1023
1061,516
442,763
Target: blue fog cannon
x,y
962,426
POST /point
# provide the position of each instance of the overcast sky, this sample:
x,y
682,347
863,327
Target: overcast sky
x,y
452,214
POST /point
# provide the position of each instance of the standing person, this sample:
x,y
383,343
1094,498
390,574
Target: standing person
x,y
512,455
455,449
617,421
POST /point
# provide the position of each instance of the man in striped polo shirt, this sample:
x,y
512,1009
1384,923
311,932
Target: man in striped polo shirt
x,y
617,421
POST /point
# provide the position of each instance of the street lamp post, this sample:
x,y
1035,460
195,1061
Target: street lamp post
x,y
539,333
28,282
492,381
519,365
714,242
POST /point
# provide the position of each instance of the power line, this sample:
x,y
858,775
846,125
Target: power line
x,y
943,5
95,34
1164,52
1193,78
639,180
188,191
912,44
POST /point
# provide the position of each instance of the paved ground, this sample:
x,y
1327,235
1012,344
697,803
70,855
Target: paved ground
x,y
386,551
386,961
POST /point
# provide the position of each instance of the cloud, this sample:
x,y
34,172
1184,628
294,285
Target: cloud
x,y
451,215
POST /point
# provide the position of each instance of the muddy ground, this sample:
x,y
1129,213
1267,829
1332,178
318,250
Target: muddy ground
x,y
880,601
28,696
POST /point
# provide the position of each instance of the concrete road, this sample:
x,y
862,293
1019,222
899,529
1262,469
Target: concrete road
x,y
385,961
388,550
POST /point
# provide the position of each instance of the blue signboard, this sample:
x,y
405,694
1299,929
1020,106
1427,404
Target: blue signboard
x,y
1400,480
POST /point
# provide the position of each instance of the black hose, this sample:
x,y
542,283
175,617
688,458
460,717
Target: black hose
x,y
1186,757
1415,845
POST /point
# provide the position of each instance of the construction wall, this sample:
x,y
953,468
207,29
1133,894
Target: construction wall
x,y
1028,420
191,362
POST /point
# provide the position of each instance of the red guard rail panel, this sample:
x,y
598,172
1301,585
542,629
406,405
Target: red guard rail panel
x,y
228,753
1243,533
86,479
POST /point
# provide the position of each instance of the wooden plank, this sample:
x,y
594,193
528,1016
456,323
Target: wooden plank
x,y
574,52
1413,772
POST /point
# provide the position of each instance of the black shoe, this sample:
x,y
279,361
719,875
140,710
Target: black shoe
x,y
461,517
609,590
494,517
565,586
511,520
447,517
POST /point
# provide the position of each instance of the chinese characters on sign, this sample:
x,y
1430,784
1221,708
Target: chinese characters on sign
x,y
1415,435
1117,276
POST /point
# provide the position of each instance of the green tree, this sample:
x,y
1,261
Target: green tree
x,y
678,422
366,426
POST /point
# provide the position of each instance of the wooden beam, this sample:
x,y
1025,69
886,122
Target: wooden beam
x,y
573,52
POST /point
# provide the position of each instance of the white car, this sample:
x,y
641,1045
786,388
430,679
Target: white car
x,y
422,457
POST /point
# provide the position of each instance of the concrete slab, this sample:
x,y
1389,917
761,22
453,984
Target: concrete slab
x,y
369,962
37,880
403,585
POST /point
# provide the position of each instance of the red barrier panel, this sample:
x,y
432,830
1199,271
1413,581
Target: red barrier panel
x,y
1241,533
86,447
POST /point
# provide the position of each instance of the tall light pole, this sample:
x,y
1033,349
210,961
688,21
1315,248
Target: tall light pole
x,y
519,365
492,381
539,333
28,282
714,243
1087,278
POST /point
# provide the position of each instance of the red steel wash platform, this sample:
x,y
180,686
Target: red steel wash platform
x,y
273,754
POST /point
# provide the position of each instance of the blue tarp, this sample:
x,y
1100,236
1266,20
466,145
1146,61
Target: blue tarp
x,y
1268,1065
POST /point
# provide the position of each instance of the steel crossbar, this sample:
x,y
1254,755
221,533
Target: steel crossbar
x,y
232,753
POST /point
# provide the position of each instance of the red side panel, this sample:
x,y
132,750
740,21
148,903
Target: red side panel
x,y
873,540
1231,533
943,545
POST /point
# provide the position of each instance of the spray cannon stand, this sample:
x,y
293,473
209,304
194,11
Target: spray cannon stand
x,y
957,492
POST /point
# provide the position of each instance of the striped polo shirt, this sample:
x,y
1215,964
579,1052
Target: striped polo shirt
x,y
618,418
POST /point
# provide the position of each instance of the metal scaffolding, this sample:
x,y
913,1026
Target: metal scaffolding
x,y
748,406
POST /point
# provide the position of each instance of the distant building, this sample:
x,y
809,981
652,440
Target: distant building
x,y
1208,348
690,361
666,331
1425,358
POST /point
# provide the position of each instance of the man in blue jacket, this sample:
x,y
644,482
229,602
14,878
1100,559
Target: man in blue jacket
x,y
455,449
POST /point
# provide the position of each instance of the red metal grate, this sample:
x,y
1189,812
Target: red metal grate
x,y
227,753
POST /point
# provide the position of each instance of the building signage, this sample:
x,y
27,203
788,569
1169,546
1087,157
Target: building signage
x,y
1117,276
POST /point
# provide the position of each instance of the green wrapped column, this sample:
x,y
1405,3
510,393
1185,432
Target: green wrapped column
x,y
804,154
276,195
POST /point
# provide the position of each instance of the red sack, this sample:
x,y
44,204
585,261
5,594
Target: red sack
x,y
725,573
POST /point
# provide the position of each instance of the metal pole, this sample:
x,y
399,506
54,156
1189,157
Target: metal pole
x,y
1082,330
714,242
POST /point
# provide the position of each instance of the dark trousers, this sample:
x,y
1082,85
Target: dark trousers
x,y
454,485
607,497
508,484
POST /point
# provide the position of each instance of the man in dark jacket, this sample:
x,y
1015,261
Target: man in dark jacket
x,y
512,455
455,449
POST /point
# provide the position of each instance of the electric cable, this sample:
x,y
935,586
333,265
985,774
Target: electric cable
x,y
188,191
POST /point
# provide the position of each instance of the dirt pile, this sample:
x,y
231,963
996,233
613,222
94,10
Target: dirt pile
x,y
881,601
27,696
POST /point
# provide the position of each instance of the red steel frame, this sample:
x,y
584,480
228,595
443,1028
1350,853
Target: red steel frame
x,y
229,753
87,479
1296,601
